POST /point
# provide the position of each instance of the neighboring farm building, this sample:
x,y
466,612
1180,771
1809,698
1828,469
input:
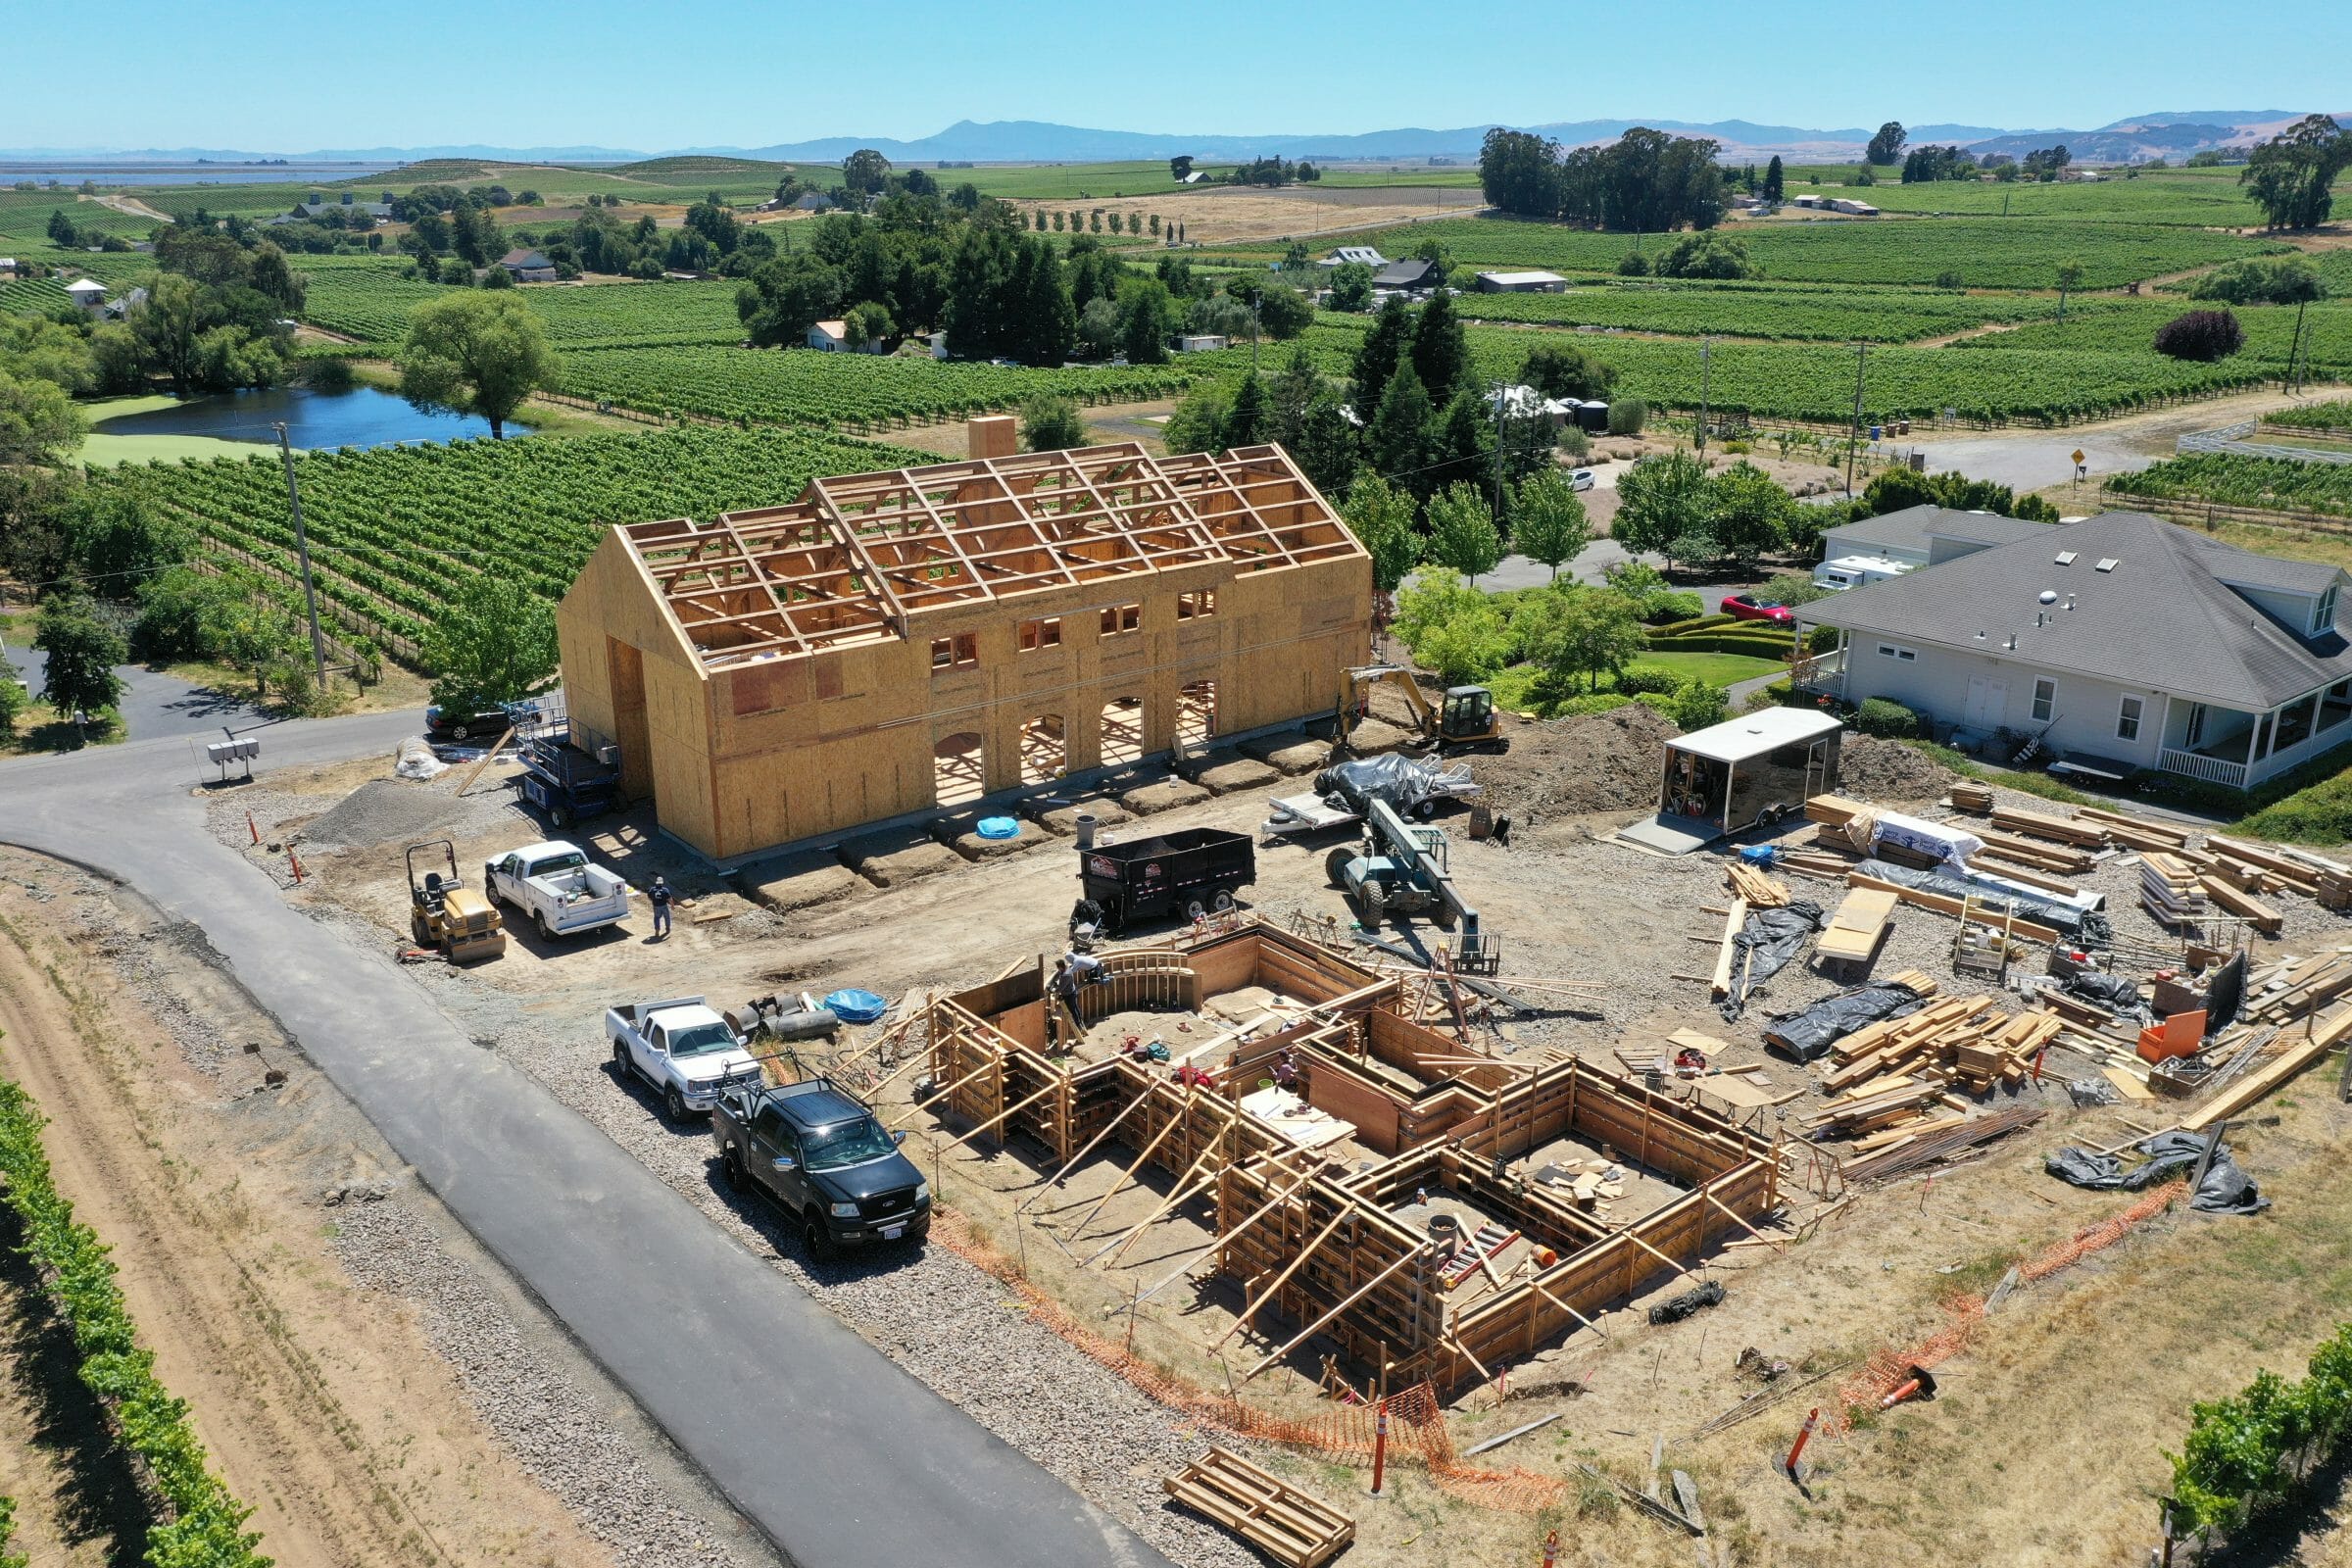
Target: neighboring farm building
x,y
892,643
528,266
1531,282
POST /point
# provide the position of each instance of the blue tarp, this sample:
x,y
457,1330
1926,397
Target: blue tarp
x,y
855,1007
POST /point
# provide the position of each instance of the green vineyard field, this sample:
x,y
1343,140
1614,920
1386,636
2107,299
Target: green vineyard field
x,y
2280,484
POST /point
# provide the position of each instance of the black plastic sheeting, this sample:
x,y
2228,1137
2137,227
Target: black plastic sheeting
x,y
1769,939
2226,994
2114,991
1678,1307
1810,1032
2088,926
2226,1189
1401,781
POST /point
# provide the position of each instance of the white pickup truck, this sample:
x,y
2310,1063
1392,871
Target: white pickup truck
x,y
556,886
684,1049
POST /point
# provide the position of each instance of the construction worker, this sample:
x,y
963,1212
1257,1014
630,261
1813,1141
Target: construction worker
x,y
1286,1071
659,895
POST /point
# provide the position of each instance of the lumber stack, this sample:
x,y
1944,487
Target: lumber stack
x,y
2293,989
2335,891
2297,1056
1761,892
2264,917
2302,876
2133,832
1974,798
2170,889
2044,825
1952,1041
2041,855
1942,904
1832,810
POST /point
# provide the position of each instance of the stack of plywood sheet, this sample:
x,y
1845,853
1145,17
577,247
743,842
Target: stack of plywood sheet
x,y
2170,889
1854,932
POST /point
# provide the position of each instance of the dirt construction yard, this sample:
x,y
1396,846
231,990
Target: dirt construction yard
x,y
2042,1446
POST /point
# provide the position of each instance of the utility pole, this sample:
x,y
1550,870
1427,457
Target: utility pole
x,y
1254,304
301,552
1700,440
1854,437
1501,401
2294,378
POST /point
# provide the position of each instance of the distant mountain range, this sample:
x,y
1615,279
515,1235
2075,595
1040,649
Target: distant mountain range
x,y
1029,141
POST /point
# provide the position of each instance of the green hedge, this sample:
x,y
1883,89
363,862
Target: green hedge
x,y
1879,716
2251,1450
206,1528
1754,645
1698,623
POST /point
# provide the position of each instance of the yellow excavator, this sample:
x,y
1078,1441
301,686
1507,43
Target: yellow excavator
x,y
1466,720
446,915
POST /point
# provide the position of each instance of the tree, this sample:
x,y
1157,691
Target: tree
x,y
13,702
865,171
496,277
2069,278
1566,370
1179,166
84,651
1441,348
1051,423
1384,347
1888,145
2202,335
1519,171
38,421
1709,255
1452,628
1775,181
1381,517
867,322
1198,424
784,298
1099,326
475,353
1247,418
1326,446
1462,532
1753,514
120,541
2290,176
1571,629
1547,520
1661,499
1150,322
494,642
1289,394
1351,286
2287,280
1397,440
62,233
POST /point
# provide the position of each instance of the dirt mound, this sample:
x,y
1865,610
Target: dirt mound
x,y
1568,767
1889,770
393,810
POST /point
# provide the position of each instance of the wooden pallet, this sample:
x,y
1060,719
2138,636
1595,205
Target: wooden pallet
x,y
1277,1518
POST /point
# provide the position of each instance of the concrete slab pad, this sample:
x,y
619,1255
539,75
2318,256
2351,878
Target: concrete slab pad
x,y
800,883
960,832
1164,796
893,860
1290,753
1062,816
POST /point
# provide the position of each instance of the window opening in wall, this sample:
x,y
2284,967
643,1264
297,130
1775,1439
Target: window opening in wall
x,y
1197,605
956,652
957,771
1120,618
1037,634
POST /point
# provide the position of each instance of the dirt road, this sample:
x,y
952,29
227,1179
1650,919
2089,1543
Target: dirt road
x,y
321,1404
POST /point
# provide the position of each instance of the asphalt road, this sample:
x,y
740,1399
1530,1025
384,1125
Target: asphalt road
x,y
155,705
824,1442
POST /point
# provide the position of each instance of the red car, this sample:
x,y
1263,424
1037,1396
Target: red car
x,y
1747,607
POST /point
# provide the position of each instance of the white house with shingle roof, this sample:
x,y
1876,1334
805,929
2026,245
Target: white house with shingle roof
x,y
2120,639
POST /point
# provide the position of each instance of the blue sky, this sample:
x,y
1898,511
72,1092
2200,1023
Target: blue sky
x,y
264,75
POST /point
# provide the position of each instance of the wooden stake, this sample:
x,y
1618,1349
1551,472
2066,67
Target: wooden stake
x,y
1051,1088
1346,1301
1263,1211
1092,1144
487,757
1264,1297
916,1110
1183,1190
1175,1118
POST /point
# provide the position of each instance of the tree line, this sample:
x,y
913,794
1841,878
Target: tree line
x,y
1645,180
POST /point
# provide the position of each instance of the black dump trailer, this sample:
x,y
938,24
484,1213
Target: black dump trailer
x,y
1190,872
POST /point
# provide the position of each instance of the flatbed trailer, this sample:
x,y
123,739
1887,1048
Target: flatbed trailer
x,y
1189,872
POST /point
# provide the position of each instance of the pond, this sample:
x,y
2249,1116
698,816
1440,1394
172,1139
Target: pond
x,y
315,419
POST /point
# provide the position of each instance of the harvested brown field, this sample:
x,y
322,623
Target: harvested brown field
x,y
1227,214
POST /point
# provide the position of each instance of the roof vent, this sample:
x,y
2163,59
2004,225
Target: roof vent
x,y
2011,645
2049,596
1979,636
2066,558
2107,563
2070,601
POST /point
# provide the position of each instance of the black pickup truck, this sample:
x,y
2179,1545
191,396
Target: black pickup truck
x,y
823,1158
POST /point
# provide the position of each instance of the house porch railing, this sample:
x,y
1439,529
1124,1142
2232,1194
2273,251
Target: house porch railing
x,y
2212,769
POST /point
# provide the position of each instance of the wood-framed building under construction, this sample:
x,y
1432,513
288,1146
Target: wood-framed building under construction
x,y
894,642
1337,1246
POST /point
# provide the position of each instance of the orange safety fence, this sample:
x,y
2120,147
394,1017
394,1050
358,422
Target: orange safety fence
x,y
1344,1433
1888,1369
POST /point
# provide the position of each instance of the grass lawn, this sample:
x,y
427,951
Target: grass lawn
x,y
99,450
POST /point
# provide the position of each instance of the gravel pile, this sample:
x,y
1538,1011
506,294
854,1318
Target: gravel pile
x,y
1889,770
1575,766
386,810
543,1418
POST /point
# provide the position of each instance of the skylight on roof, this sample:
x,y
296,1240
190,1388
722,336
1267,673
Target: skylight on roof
x,y
2107,563
2066,558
